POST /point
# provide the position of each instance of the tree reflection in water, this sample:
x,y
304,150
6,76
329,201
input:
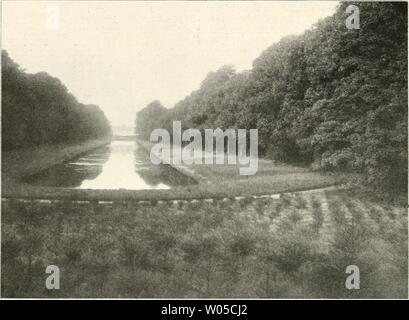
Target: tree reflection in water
x,y
157,174
72,173
120,165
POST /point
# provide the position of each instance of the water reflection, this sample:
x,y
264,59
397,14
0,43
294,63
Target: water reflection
x,y
120,165
72,174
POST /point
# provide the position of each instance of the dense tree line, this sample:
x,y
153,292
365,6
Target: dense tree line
x,y
38,109
154,115
331,97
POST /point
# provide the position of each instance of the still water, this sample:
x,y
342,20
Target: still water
x,y
119,165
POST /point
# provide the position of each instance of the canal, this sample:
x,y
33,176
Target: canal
x,y
118,165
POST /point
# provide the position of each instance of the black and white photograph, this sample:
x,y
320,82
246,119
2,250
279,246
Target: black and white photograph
x,y
204,150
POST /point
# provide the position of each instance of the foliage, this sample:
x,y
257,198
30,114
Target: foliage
x,y
331,97
38,109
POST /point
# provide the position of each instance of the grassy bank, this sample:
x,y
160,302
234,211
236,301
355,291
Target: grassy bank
x,y
296,246
224,180
20,163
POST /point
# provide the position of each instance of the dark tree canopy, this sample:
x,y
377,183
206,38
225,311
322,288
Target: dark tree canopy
x,y
154,115
38,109
332,97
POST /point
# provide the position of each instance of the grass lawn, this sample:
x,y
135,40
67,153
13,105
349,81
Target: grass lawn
x,y
224,180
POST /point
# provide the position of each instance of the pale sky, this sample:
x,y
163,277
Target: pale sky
x,y
123,55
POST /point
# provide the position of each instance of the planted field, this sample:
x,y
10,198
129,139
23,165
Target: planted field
x,y
296,246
